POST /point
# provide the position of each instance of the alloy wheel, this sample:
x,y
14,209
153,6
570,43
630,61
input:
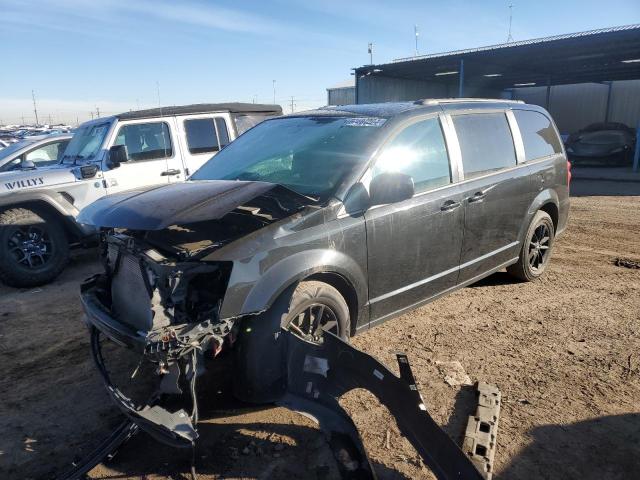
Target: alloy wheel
x,y
315,319
539,247
30,246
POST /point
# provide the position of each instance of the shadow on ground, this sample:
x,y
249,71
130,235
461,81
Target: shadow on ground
x,y
605,448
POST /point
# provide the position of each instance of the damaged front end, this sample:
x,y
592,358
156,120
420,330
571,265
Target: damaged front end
x,y
168,312
160,297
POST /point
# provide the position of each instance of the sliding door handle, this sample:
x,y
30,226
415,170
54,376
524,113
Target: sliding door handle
x,y
477,197
170,173
449,205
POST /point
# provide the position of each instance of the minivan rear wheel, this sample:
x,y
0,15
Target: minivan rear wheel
x,y
536,249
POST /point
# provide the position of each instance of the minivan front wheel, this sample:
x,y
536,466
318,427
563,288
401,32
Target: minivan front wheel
x,y
307,310
315,308
536,249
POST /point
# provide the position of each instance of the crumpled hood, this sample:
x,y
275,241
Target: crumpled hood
x,y
19,180
157,208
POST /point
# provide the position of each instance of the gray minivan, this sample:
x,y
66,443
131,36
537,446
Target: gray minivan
x,y
329,220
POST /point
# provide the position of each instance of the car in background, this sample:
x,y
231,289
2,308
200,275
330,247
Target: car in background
x,y
609,143
34,152
107,155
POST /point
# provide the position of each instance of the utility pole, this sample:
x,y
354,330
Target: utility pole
x,y
415,31
292,104
91,115
97,111
274,92
22,119
370,49
35,109
510,37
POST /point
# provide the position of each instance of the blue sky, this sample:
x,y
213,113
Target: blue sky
x,y
78,54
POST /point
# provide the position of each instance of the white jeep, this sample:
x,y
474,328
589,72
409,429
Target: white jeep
x,y
108,155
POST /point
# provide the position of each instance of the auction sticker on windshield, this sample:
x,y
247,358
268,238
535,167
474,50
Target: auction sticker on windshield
x,y
364,122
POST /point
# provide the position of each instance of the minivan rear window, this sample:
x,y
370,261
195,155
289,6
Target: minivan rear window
x,y
486,143
538,135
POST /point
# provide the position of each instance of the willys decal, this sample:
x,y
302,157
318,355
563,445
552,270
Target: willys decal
x,y
29,182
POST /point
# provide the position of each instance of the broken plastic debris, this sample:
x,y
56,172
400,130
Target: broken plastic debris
x,y
454,373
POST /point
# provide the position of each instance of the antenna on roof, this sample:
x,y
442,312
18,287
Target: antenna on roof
x,y
164,140
35,109
510,37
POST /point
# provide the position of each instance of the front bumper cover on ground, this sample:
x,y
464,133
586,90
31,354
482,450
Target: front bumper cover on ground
x,y
316,377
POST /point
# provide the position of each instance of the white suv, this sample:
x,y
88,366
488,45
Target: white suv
x,y
130,151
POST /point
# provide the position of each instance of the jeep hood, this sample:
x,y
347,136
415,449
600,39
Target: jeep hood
x,y
20,180
158,208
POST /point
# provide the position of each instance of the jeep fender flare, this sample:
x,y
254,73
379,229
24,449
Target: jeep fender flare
x,y
289,271
56,204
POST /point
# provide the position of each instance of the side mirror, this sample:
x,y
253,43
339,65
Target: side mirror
x,y
117,154
390,187
27,165
88,171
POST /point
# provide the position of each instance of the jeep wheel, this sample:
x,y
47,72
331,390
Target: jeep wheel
x,y
33,248
536,249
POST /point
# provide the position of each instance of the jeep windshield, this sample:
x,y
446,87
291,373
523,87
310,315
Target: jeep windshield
x,y
309,155
86,142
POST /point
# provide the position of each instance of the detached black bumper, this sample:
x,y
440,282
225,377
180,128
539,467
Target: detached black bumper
x,y
173,428
99,316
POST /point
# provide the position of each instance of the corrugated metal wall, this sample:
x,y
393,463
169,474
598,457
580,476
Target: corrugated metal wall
x,y
375,89
572,106
341,96
575,106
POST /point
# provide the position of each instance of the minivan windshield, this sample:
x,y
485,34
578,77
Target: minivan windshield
x,y
86,142
310,155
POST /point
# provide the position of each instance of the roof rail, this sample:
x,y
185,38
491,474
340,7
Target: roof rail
x,y
437,101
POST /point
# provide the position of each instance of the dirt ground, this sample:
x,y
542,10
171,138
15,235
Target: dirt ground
x,y
565,352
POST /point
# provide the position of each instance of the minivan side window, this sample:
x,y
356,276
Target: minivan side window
x,y
145,141
538,135
419,151
485,142
206,134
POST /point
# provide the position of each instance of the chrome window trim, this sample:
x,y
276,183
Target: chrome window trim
x,y
516,135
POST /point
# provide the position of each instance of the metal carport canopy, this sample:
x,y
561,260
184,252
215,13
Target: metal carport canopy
x,y
592,56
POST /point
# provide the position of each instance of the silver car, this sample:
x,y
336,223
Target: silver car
x,y
34,152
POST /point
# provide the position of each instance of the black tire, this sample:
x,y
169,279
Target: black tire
x,y
312,299
536,249
33,248
259,354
